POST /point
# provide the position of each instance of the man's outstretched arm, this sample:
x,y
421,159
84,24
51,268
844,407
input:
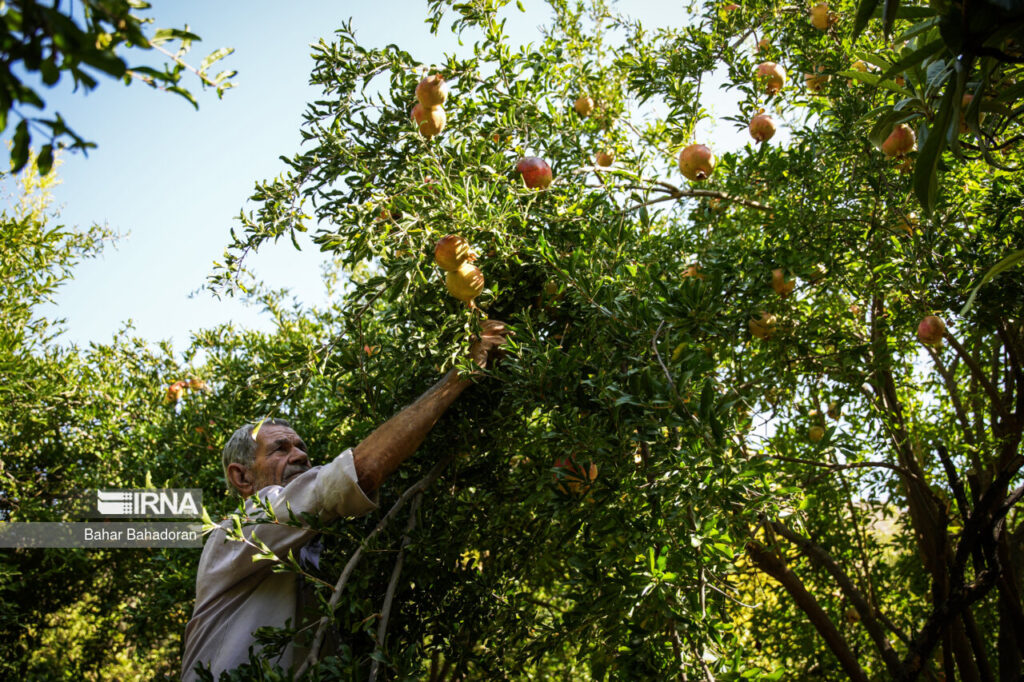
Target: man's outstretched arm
x,y
397,439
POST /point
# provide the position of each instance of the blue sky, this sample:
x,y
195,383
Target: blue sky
x,y
174,179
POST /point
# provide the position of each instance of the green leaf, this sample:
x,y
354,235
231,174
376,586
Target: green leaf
x,y
164,34
916,57
926,169
889,11
864,12
184,93
1010,261
917,29
19,150
706,396
44,162
214,57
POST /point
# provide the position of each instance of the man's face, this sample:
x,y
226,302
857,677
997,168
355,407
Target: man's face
x,y
280,456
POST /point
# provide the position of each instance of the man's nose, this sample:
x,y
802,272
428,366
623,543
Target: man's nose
x,y
297,456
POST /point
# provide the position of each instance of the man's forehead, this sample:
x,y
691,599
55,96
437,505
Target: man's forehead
x,y
268,433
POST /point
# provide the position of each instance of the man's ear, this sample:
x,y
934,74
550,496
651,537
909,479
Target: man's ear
x,y
241,479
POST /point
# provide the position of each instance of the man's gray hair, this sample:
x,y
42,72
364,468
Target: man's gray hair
x,y
241,447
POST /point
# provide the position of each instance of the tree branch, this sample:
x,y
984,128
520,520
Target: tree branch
x,y
937,623
775,567
954,481
389,594
675,194
357,556
823,559
954,397
979,375
852,465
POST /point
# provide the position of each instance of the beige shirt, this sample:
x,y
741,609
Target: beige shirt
x,y
235,595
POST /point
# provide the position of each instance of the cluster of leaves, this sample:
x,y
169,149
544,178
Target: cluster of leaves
x,y
44,39
953,71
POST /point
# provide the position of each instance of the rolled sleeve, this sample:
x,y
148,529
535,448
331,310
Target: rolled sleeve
x,y
337,492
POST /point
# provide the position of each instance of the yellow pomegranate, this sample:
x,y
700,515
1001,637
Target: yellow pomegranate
x,y
432,91
430,121
696,162
466,283
584,105
762,325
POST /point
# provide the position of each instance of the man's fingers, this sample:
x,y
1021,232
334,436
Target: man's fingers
x,y
495,328
491,327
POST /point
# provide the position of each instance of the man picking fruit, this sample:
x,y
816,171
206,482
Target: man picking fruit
x,y
234,594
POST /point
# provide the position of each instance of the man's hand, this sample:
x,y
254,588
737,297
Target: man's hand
x,y
487,346
395,440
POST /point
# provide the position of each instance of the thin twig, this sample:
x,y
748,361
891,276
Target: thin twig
x,y
389,595
414,489
853,465
976,371
712,194
181,62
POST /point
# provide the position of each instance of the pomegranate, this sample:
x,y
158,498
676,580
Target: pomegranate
x,y
466,283
816,433
834,411
604,158
762,127
175,391
815,82
907,223
821,18
782,287
900,141
451,251
763,44
772,76
584,105
931,330
432,91
196,384
535,171
696,162
762,325
861,66
429,122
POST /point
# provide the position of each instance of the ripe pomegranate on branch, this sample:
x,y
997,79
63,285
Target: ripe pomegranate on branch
x,y
762,127
771,76
427,113
535,171
696,162
463,279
